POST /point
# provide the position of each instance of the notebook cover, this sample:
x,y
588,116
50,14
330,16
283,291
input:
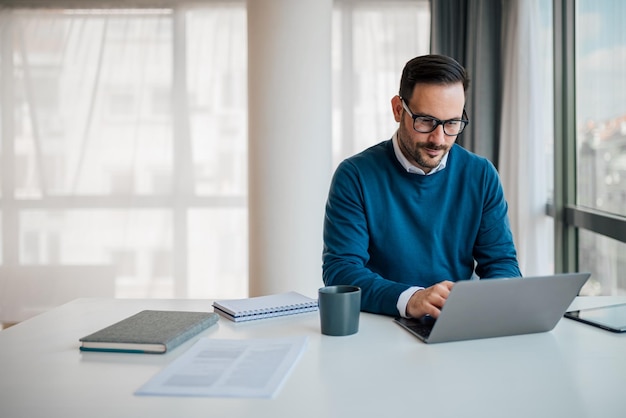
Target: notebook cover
x,y
149,331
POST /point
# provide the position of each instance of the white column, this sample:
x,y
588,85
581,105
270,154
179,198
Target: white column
x,y
289,113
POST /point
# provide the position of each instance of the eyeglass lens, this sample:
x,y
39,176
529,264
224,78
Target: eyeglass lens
x,y
425,125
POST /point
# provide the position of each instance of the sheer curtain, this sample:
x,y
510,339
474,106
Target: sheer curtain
x,y
123,151
526,132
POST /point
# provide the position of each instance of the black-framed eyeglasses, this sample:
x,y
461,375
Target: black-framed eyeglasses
x,y
426,124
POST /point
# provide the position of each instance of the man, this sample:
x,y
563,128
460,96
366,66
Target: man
x,y
408,217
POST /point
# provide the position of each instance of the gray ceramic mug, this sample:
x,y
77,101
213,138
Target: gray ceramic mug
x,y
339,308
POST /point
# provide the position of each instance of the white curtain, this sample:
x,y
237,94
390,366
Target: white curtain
x,y
527,132
124,154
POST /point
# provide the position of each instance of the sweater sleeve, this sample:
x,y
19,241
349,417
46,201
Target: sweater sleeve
x,y
346,241
494,249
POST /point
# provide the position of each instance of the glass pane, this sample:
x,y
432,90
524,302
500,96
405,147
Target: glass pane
x,y
92,114
217,99
601,104
218,253
138,243
118,109
605,258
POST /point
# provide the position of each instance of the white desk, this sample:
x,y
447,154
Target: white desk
x,y
574,371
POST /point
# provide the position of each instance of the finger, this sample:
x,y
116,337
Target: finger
x,y
447,284
433,311
438,301
440,291
442,288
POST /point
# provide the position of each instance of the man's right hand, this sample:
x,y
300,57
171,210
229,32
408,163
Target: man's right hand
x,y
429,301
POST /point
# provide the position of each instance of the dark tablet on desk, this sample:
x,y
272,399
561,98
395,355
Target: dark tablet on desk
x,y
612,318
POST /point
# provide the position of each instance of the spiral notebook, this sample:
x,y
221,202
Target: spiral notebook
x,y
260,307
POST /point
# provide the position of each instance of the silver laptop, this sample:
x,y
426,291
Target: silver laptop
x,y
499,307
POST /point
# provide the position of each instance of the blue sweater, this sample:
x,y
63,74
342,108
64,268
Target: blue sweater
x,y
386,230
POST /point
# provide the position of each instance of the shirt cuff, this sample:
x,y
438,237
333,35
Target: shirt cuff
x,y
403,300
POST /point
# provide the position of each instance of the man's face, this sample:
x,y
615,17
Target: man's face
x,y
425,150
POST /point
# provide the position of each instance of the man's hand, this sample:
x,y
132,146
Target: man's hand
x,y
429,301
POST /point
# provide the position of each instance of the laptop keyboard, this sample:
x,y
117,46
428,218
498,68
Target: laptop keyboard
x,y
421,329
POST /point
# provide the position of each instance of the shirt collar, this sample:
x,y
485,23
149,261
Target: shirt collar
x,y
410,168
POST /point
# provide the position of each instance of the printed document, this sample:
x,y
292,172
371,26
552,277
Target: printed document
x,y
251,368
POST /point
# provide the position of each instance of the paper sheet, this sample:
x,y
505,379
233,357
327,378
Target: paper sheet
x,y
252,368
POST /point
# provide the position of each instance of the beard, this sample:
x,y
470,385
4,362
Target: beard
x,y
417,153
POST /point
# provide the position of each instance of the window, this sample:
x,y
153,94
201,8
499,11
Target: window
x,y
601,134
105,158
591,79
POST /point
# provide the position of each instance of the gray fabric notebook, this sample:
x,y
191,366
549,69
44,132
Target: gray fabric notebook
x,y
149,332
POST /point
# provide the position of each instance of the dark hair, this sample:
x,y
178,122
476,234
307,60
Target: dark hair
x,y
431,69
